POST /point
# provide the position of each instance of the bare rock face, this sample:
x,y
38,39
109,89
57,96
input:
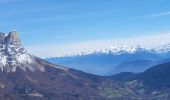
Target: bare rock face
x,y
13,55
13,38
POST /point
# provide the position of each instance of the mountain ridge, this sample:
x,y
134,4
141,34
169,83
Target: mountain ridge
x,y
119,49
115,50
156,77
105,61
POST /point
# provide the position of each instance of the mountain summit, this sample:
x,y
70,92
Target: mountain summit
x,y
13,55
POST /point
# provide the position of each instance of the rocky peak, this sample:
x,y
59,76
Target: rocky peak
x,y
13,55
12,38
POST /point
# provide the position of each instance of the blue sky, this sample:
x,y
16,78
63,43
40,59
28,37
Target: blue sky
x,y
72,23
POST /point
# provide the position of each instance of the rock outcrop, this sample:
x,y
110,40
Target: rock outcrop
x,y
13,55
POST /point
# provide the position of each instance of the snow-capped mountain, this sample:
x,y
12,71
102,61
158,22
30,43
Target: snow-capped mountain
x,y
163,48
13,55
115,59
107,59
121,49
117,50
114,50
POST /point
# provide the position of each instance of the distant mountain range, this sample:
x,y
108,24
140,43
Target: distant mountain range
x,y
116,59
